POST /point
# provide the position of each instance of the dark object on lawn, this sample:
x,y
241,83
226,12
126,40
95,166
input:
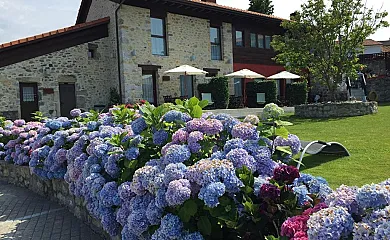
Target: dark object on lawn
x,y
321,147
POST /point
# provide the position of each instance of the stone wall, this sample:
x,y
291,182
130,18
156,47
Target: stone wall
x,y
92,77
188,41
55,190
335,110
381,86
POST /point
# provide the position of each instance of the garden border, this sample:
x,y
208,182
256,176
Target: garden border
x,y
56,190
337,109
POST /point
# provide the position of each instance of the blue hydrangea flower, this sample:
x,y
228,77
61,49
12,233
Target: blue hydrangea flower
x,y
373,196
330,223
192,236
154,213
233,144
160,137
344,196
171,226
382,232
174,171
122,214
176,154
53,125
92,126
132,153
245,131
109,195
138,222
138,125
302,194
110,224
210,193
259,181
240,158
178,192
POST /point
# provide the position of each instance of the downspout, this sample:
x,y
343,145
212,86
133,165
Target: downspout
x,y
118,50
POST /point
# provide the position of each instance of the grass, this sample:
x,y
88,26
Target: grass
x,y
367,138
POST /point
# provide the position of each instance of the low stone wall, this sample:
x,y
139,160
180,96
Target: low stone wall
x,y
55,190
333,110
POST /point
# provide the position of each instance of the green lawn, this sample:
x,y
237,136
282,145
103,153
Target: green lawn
x,y
367,138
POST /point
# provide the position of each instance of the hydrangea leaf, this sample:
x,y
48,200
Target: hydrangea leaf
x,y
203,103
204,225
188,210
284,150
282,132
196,112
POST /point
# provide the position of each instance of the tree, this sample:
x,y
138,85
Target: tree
x,y
326,37
261,6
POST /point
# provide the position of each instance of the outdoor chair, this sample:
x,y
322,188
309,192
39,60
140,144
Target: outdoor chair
x,y
207,96
260,98
321,147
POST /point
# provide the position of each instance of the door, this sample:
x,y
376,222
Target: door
x,y
187,86
149,86
28,100
67,98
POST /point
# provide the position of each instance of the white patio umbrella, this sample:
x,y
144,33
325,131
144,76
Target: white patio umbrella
x,y
284,75
245,73
186,70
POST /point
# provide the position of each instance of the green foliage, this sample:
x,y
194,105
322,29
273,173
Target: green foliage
x,y
92,117
115,98
326,37
219,89
267,87
297,93
2,120
261,6
192,106
38,116
123,115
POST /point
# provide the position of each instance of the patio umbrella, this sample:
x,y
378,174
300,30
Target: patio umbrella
x,y
186,70
245,73
284,75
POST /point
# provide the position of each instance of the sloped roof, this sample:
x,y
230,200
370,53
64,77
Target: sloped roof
x,y
370,42
86,4
386,49
45,43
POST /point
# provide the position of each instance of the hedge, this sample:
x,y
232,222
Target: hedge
x,y
267,87
296,93
219,89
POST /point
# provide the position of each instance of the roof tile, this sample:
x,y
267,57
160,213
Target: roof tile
x,y
55,32
370,42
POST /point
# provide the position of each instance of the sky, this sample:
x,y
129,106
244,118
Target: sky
x,y
24,18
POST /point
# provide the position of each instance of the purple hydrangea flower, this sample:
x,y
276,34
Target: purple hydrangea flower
x,y
245,131
178,192
75,112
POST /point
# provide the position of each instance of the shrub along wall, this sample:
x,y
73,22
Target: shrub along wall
x,y
296,93
219,89
267,87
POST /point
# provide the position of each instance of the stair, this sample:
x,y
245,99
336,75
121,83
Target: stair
x,y
358,94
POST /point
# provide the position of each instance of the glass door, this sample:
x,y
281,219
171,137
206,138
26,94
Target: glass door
x,y
187,86
149,87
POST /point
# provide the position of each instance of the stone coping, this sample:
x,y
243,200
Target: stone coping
x,y
56,190
336,109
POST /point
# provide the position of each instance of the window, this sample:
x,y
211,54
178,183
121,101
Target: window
x,y
158,36
253,40
92,50
215,39
260,40
268,42
239,39
211,72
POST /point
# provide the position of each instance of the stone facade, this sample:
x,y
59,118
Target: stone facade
x,y
92,78
55,190
188,42
335,110
381,86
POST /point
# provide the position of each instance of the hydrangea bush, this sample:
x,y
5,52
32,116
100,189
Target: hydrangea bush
x,y
174,172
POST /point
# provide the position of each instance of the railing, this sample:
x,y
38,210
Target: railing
x,y
366,58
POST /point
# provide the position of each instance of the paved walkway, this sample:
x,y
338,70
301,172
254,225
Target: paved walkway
x,y
26,215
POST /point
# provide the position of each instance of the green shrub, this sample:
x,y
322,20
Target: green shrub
x,y
267,87
219,89
296,93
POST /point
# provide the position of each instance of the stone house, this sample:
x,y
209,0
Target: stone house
x,y
127,45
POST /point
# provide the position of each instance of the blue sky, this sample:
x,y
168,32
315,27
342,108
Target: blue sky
x,y
23,18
